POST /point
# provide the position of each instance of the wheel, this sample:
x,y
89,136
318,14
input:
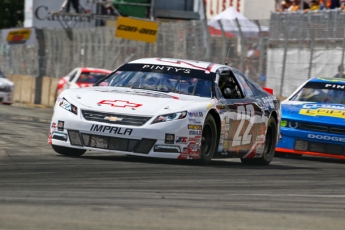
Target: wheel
x,y
208,140
71,152
269,148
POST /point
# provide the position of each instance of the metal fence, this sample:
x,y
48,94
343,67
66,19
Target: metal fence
x,y
64,50
302,46
297,47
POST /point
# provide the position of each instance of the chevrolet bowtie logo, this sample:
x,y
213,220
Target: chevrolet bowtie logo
x,y
113,118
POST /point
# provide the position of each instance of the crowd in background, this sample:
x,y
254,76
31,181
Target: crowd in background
x,y
310,5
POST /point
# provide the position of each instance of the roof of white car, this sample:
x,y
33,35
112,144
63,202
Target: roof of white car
x,y
190,64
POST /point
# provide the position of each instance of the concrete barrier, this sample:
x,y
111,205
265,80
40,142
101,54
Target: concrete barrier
x,y
24,90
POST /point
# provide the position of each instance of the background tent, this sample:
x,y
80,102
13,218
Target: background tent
x,y
228,20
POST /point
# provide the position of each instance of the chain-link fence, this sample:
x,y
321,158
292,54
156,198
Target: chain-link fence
x,y
302,46
98,47
297,47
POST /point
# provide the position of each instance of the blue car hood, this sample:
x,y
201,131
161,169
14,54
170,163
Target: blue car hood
x,y
331,114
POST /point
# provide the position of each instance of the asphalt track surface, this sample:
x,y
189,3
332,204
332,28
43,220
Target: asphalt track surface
x,y
40,189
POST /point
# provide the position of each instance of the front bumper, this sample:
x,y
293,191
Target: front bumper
x,y
170,139
6,97
308,142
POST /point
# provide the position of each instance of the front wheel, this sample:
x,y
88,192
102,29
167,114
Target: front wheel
x,y
269,147
208,140
71,152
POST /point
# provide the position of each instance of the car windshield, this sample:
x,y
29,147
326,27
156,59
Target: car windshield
x,y
160,81
322,93
1,75
90,77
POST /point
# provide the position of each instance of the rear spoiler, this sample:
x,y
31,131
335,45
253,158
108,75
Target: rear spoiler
x,y
268,90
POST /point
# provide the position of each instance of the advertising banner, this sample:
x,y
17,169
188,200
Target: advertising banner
x,y
39,14
18,36
136,29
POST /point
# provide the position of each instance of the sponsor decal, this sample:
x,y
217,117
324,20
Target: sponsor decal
x,y
169,138
195,121
260,139
335,86
197,127
196,139
194,133
61,125
195,114
329,106
167,68
259,150
182,140
119,103
136,29
59,136
50,140
111,130
53,125
326,138
191,152
323,112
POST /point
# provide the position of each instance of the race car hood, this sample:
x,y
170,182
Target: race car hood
x,y
5,81
130,101
314,112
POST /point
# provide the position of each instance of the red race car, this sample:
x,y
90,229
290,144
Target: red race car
x,y
81,77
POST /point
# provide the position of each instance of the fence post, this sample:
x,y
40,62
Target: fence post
x,y
311,47
224,50
261,51
286,40
243,47
41,65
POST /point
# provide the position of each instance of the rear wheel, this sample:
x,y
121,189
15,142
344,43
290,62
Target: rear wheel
x,y
71,152
269,147
208,140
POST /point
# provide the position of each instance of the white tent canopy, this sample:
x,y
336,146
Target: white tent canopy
x,y
228,20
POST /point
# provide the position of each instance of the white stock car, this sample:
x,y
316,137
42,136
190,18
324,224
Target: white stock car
x,y
6,90
169,108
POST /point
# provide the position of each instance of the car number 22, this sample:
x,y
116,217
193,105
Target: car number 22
x,y
244,132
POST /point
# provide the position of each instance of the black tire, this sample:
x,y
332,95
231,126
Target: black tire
x,y
208,140
71,152
269,148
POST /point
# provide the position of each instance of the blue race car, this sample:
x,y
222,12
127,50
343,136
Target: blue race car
x,y
313,120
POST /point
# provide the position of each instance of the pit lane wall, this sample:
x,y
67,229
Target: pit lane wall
x,y
24,91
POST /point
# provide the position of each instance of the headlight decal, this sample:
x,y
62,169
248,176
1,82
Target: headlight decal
x,y
68,106
170,117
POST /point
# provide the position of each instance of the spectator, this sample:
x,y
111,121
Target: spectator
x,y
285,5
296,5
332,4
252,62
313,6
342,5
340,73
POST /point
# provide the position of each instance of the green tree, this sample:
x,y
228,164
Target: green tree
x,y
11,13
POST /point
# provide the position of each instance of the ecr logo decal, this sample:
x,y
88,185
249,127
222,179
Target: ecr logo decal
x,y
136,29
